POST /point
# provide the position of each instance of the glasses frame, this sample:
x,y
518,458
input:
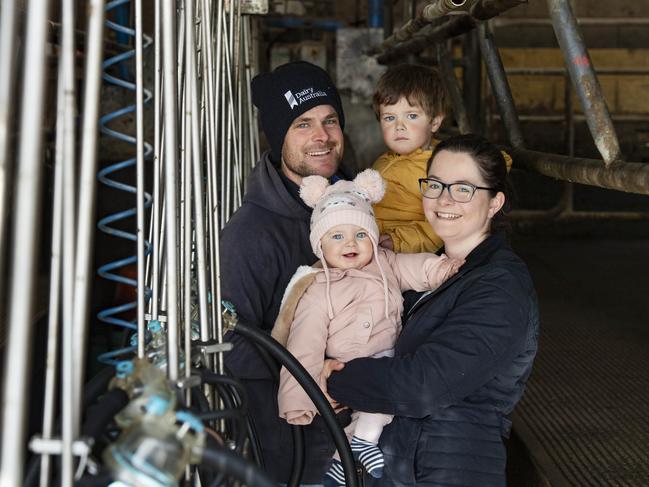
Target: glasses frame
x,y
448,185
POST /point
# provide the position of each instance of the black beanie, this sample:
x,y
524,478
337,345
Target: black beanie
x,y
286,93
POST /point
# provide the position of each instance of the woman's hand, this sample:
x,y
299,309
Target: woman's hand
x,y
330,365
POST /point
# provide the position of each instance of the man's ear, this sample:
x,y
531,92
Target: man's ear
x,y
496,203
436,123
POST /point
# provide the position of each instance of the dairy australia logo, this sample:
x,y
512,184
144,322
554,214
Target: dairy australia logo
x,y
290,99
302,96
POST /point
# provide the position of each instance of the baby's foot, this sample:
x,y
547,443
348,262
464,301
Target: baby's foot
x,y
370,455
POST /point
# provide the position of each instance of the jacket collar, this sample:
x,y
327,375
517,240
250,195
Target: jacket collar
x,y
476,258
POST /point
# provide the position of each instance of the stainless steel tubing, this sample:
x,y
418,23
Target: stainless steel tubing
x,y
8,21
584,80
447,72
195,162
500,86
186,249
65,158
211,120
157,158
252,121
171,162
53,322
25,239
139,147
87,188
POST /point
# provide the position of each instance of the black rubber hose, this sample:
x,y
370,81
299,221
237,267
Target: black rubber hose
x,y
233,465
313,391
228,389
297,433
100,480
100,414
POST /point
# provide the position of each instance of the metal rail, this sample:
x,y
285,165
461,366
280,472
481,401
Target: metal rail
x,y
452,27
630,177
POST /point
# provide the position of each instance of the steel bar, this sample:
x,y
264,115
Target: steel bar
x,y
170,163
500,86
186,249
87,187
157,158
65,157
52,322
247,37
630,177
139,113
584,79
8,22
196,177
24,247
450,81
430,34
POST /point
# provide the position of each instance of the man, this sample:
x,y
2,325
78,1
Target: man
x,y
268,238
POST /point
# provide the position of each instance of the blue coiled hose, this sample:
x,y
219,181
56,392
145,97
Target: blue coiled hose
x,y
120,63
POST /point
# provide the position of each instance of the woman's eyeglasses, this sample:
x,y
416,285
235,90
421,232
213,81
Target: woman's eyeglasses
x,y
459,192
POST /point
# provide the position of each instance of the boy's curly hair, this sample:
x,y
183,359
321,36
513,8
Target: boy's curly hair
x,y
421,85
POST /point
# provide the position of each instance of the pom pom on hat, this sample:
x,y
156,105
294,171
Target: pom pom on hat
x,y
345,202
372,183
312,189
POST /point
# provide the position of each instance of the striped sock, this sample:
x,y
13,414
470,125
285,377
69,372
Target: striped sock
x,y
335,476
370,455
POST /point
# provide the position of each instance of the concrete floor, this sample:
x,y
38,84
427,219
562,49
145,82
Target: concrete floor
x,y
583,418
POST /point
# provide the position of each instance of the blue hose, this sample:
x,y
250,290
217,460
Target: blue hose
x,y
120,64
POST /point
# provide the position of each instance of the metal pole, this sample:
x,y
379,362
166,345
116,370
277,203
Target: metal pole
x,y
461,24
584,80
139,113
87,184
631,177
157,158
500,87
196,161
171,162
25,233
8,21
65,157
53,322
448,75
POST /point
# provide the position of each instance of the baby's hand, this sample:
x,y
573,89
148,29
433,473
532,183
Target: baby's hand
x,y
386,242
447,267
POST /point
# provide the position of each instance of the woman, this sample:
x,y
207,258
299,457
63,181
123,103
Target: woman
x,y
467,348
